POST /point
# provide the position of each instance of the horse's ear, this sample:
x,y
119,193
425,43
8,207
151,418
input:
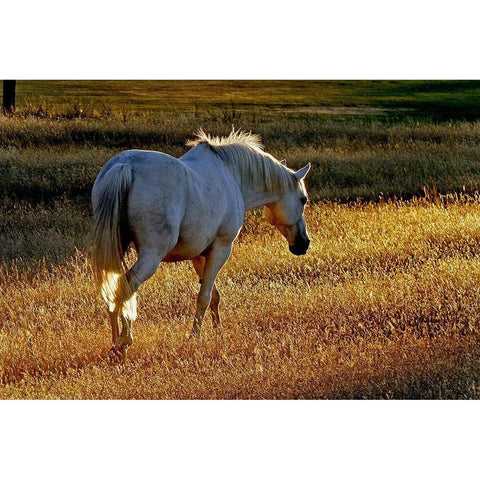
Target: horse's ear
x,y
302,173
283,162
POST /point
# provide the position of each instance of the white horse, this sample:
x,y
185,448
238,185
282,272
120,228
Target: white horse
x,y
191,208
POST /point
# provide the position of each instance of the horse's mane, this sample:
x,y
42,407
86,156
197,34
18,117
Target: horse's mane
x,y
243,153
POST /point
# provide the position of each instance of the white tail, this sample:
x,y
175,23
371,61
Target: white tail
x,y
108,256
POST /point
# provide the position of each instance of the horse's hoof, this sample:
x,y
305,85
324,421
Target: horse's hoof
x,y
113,355
193,335
118,353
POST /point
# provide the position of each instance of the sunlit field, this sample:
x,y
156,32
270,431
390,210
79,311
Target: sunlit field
x,y
383,305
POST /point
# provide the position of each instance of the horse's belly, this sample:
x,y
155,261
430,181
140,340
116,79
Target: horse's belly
x,y
176,258
187,251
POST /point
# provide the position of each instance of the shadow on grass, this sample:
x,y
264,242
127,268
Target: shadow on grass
x,y
35,236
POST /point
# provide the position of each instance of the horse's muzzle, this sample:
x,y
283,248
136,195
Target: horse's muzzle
x,y
300,247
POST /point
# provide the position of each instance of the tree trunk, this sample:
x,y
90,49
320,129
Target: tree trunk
x,y
9,96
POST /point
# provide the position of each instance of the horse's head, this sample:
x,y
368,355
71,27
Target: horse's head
x,y
287,214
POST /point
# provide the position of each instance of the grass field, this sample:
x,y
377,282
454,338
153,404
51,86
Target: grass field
x,y
440,100
384,305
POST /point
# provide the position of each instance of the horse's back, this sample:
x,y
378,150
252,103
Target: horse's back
x,y
145,164
182,203
142,161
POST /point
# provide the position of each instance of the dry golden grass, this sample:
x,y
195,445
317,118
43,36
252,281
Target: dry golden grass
x,y
384,305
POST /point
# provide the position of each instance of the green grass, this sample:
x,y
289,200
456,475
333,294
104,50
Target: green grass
x,y
437,100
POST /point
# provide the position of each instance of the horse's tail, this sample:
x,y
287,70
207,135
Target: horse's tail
x,y
108,259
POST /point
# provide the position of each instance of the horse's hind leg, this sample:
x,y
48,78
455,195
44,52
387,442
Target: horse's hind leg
x,y
123,312
114,324
125,308
198,264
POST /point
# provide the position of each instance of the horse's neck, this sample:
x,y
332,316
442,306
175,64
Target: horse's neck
x,y
253,196
253,199
256,195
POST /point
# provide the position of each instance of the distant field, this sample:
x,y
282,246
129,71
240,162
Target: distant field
x,y
364,139
45,159
438,100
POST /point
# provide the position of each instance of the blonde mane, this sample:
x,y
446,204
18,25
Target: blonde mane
x,y
242,152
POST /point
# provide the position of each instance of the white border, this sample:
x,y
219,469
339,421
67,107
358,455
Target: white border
x,y
251,39
238,439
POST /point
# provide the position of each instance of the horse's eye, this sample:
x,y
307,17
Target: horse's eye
x,y
303,200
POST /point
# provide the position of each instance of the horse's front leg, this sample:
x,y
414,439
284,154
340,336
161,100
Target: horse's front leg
x,y
215,260
198,265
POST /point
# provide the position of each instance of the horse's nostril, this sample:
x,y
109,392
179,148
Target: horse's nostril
x,y
299,249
